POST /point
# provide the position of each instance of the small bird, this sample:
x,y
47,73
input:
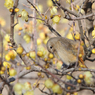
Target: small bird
x,y
65,49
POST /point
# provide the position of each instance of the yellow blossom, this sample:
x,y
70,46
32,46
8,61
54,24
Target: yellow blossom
x,y
93,33
40,8
6,64
56,19
24,14
8,4
70,36
53,10
7,38
49,3
2,22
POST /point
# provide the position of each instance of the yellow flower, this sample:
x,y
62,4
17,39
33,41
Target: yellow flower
x,y
49,3
70,36
53,10
7,38
93,50
6,64
56,19
24,14
93,33
77,36
2,22
8,4
64,20
40,8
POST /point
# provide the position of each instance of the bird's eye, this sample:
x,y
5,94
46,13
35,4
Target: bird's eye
x,y
50,47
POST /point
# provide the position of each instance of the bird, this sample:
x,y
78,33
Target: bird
x,y
65,49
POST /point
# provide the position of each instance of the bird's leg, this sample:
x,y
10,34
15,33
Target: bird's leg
x,y
57,70
69,66
64,65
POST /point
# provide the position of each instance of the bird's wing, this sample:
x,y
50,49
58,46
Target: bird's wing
x,y
69,45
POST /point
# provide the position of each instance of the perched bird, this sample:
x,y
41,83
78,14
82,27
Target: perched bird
x,y
65,49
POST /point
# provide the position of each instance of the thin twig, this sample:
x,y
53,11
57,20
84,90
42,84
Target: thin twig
x,y
81,17
46,22
1,47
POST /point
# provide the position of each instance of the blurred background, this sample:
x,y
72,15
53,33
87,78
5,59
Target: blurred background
x,y
5,14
